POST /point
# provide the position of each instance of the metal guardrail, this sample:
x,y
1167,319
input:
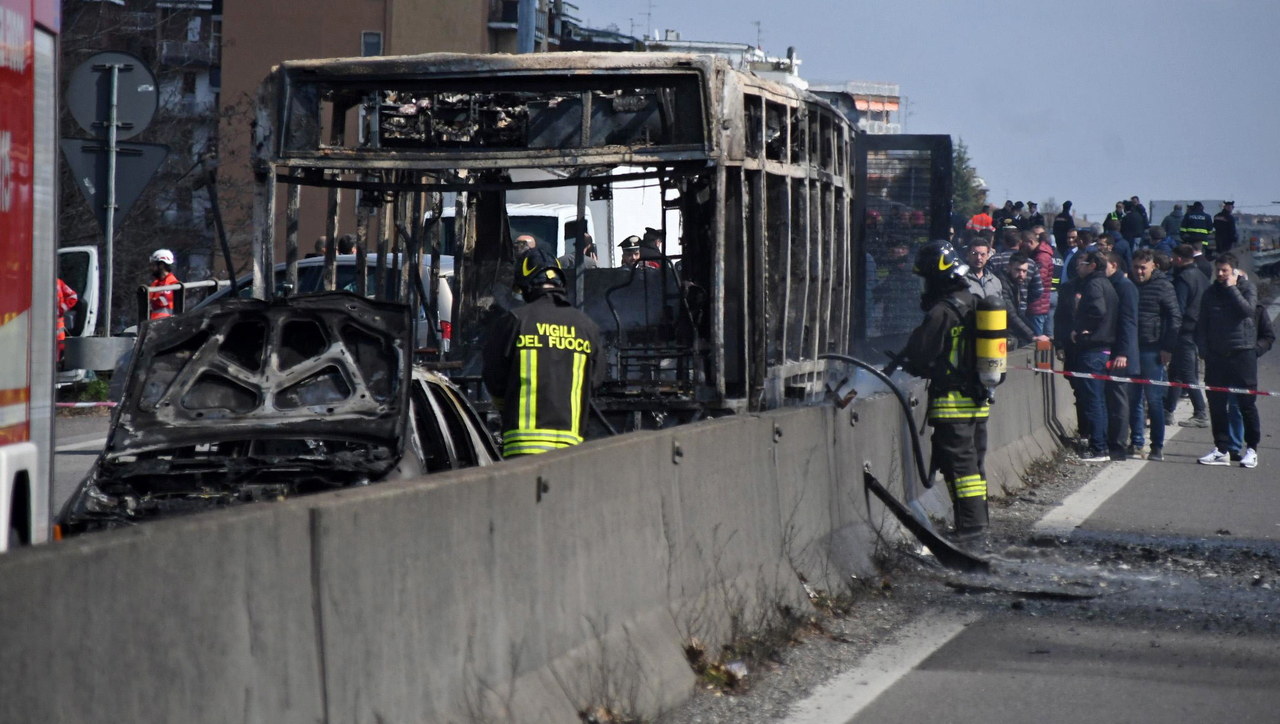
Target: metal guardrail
x,y
179,296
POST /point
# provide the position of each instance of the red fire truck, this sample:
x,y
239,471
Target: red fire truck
x,y
28,253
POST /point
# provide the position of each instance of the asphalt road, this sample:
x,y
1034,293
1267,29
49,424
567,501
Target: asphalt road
x,y
79,442
1150,595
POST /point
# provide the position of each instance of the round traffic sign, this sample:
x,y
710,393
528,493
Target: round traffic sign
x,y
89,94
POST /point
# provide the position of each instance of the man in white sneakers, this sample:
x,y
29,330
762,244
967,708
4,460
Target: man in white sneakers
x,y
1227,335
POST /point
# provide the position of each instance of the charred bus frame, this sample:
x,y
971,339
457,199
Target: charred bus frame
x,y
760,172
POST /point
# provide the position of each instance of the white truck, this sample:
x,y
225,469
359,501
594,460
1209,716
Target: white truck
x,y
549,215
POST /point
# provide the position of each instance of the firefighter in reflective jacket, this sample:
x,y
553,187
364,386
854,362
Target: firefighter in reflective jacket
x,y
162,270
67,298
942,350
541,362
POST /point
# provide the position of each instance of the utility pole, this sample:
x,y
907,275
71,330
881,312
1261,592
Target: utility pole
x,y
527,25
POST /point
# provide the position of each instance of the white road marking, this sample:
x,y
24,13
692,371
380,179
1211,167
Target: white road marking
x,y
1062,521
97,443
844,697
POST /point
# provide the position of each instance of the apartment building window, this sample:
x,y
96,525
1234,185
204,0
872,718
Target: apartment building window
x,y
370,43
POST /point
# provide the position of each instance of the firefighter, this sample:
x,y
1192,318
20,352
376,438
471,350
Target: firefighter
x,y
942,350
162,275
67,298
541,362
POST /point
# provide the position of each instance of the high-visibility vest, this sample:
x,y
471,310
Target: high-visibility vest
x,y
67,298
980,222
162,302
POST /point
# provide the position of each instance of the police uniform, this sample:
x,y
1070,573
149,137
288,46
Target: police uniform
x,y
941,350
541,362
1197,226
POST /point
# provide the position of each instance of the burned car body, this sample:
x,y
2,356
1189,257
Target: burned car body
x,y
251,400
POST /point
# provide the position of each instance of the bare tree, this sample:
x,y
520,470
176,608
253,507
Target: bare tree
x,y
173,211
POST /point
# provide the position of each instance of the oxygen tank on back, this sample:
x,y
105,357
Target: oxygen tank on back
x,y
991,343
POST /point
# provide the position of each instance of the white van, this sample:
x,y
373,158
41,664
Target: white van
x,y
551,224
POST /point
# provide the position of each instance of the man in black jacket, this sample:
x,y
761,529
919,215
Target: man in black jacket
x,y
1034,217
1224,227
1062,223
1227,335
541,362
1159,322
1124,359
1189,284
1266,338
1093,331
1013,288
1133,225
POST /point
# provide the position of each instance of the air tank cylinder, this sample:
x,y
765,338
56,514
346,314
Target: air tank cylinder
x,y
991,345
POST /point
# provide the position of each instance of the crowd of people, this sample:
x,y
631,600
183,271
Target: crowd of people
x,y
1134,299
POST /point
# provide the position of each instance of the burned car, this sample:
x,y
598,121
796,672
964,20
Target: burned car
x,y
250,400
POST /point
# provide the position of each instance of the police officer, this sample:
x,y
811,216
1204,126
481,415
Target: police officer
x,y
630,247
541,362
941,350
1197,227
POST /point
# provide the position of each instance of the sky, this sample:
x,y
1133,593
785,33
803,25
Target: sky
x,y
1088,101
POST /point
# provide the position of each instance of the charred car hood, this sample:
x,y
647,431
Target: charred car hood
x,y
249,400
313,367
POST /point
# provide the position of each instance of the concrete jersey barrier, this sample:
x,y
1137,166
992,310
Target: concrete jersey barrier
x,y
521,592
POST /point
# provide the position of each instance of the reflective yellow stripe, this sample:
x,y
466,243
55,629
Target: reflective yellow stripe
x,y
956,406
971,486
533,442
528,411
567,436
960,415
575,402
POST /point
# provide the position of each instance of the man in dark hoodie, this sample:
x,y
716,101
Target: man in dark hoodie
x,y
1124,359
1063,223
1093,331
1133,225
1189,284
1227,335
1172,224
1224,227
1159,321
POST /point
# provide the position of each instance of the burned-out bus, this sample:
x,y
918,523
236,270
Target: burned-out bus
x,y
769,183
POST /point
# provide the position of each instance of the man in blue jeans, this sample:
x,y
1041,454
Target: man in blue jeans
x,y
1159,322
1266,338
1093,332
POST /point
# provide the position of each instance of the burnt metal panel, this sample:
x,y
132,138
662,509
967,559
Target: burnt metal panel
x,y
906,183
475,106
321,366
